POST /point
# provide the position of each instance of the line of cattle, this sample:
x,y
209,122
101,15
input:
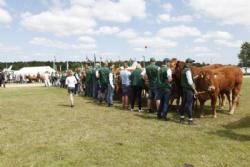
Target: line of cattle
x,y
213,82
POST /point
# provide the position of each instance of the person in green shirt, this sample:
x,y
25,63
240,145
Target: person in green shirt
x,y
137,84
88,81
189,90
151,74
165,79
103,75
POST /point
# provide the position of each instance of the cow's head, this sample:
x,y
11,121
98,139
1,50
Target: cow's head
x,y
206,81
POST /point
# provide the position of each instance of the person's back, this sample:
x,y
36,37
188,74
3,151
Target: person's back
x,y
104,75
125,77
163,75
152,73
136,78
71,81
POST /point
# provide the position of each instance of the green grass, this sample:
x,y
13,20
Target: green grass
x,y
37,129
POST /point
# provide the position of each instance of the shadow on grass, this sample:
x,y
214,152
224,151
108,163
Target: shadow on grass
x,y
64,105
230,130
148,116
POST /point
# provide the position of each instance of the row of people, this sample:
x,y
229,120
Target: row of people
x,y
101,80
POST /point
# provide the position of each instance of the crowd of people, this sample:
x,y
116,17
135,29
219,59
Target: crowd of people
x,y
101,81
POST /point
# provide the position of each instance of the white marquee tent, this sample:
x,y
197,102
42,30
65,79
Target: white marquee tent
x,y
34,70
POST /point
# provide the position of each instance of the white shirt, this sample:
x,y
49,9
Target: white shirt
x,y
189,77
46,76
111,78
71,81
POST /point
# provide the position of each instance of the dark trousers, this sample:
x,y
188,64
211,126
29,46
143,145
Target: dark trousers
x,y
77,88
136,92
187,103
164,96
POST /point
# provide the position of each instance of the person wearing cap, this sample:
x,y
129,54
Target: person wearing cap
x,y
188,88
137,84
71,83
165,79
125,79
103,75
151,74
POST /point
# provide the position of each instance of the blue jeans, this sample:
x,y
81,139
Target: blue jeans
x,y
187,103
164,96
110,94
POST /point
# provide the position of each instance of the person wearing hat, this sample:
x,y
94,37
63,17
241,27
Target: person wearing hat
x,y
151,74
165,79
188,88
71,83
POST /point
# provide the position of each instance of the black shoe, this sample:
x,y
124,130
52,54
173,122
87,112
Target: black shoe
x,y
71,106
158,117
110,105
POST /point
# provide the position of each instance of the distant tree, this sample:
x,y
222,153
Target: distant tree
x,y
244,55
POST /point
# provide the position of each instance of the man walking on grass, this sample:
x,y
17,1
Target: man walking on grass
x,y
71,83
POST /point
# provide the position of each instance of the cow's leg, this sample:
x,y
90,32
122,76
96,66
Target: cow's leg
x,y
178,103
213,105
229,98
221,101
235,97
201,109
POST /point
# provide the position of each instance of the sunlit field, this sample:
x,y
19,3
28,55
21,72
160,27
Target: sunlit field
x,y
38,128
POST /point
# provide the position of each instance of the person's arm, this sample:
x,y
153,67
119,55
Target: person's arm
x,y
97,74
190,80
144,74
66,81
169,75
111,82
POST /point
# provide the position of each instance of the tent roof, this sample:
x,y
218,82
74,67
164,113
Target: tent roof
x,y
36,69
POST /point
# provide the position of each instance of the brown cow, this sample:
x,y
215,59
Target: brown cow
x,y
224,80
178,67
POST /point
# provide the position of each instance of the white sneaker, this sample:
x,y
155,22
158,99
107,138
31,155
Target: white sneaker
x,y
131,109
140,110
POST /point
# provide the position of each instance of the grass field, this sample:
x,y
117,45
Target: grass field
x,y
38,129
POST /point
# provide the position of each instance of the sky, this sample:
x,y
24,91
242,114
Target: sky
x,y
208,31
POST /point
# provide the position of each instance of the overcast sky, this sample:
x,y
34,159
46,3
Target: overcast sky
x,y
205,30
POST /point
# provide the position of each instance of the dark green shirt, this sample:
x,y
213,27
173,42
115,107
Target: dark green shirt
x,y
152,73
88,76
104,75
163,78
136,78
184,80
